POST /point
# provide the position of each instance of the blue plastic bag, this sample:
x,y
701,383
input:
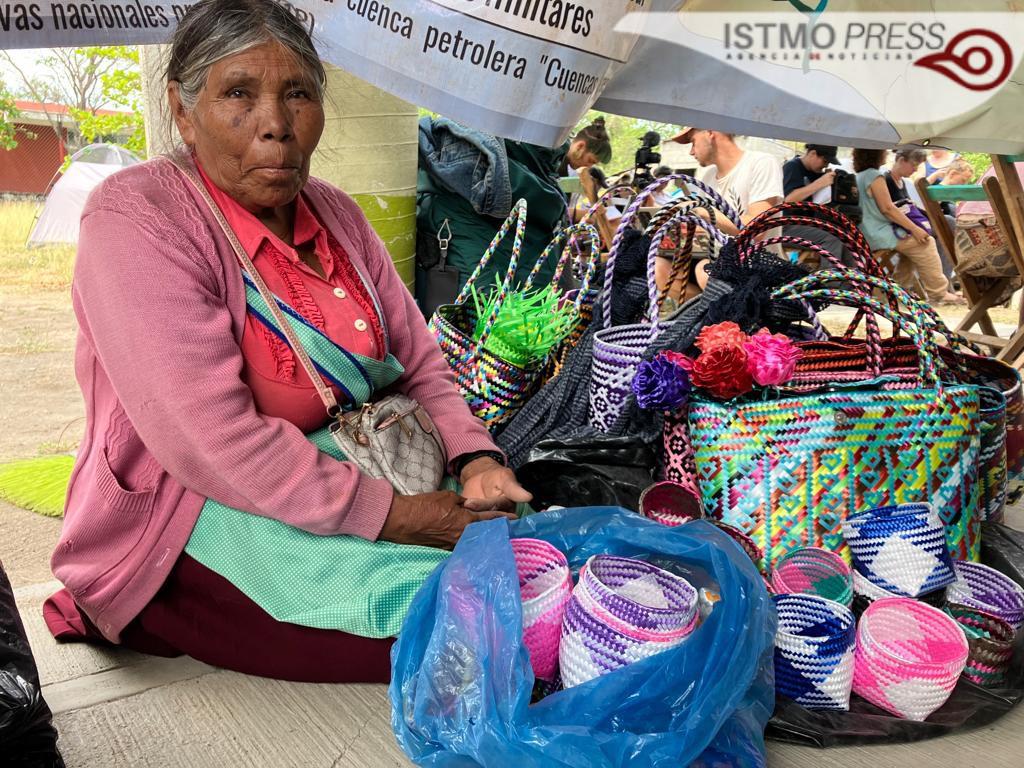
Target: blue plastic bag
x,y
461,678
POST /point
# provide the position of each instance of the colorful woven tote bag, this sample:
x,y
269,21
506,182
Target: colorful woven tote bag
x,y
787,470
618,350
494,385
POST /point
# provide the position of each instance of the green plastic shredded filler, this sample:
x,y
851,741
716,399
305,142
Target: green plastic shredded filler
x,y
530,324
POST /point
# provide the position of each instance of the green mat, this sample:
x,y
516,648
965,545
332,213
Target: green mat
x,y
39,485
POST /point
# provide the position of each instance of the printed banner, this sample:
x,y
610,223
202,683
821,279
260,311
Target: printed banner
x,y
848,72
845,72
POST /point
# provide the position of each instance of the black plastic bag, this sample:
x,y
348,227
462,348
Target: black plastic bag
x,y
970,706
588,471
27,736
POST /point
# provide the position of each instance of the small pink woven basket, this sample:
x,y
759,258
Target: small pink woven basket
x,y
545,584
909,657
814,571
671,503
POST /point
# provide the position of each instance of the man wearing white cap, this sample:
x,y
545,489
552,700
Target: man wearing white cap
x,y
751,181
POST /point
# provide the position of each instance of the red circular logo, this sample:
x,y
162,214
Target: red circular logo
x,y
977,59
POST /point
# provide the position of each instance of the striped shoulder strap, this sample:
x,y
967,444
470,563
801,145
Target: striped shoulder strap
x,y
357,376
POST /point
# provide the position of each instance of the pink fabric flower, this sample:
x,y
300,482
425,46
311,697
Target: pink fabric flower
x,y
771,358
684,362
726,334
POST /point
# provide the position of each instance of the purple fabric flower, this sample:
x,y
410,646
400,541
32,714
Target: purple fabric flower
x,y
660,385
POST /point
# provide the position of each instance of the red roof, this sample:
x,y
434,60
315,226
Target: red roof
x,y
58,109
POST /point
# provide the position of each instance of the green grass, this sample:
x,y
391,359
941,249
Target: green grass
x,y
45,268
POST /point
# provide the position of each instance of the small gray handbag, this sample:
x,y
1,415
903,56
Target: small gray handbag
x,y
393,439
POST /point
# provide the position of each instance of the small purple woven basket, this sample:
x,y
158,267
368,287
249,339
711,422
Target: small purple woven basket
x,y
979,586
622,610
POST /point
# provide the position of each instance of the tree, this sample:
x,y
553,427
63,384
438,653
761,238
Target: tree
x,y
8,113
88,80
121,86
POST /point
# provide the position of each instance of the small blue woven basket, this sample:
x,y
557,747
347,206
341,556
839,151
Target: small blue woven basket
x,y
814,651
901,549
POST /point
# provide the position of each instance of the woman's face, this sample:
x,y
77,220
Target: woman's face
x,y
255,125
904,166
579,156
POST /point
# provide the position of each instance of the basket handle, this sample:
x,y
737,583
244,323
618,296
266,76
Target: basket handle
x,y
604,198
699,191
820,217
817,286
682,259
839,226
653,294
567,238
926,315
516,216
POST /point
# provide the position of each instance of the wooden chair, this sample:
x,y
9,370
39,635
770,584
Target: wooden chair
x,y
1003,192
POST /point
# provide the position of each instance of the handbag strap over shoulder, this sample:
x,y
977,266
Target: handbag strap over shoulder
x,y
326,395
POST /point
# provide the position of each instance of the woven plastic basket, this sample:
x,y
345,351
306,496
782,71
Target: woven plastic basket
x,y
900,549
991,645
545,584
618,350
979,586
814,571
814,651
909,656
621,611
749,546
670,503
865,593
494,387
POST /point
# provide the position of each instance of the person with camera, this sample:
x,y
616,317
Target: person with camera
x,y
804,176
807,177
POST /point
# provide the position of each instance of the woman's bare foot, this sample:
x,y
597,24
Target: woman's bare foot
x,y
953,299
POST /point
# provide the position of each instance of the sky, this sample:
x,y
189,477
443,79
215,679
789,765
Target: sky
x,y
26,59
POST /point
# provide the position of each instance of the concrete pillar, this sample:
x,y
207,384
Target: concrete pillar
x,y
369,150
161,135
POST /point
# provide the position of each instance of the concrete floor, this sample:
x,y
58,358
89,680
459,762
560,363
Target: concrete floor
x,y
119,709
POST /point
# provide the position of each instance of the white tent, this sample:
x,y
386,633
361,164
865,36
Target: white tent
x,y
58,220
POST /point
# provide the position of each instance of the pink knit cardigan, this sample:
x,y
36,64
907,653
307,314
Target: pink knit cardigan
x,y
169,421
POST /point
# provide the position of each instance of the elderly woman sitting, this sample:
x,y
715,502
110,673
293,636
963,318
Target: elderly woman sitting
x,y
199,513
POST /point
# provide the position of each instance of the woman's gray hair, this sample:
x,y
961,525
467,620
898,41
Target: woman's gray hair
x,y
212,30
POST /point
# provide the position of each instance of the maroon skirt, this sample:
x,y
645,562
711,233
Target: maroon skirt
x,y
201,614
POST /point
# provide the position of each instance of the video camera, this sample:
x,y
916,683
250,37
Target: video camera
x,y
845,195
645,157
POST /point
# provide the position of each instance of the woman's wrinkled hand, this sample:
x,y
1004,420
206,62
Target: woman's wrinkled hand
x,y
486,484
920,235
434,519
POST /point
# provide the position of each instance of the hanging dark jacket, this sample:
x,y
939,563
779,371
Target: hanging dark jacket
x,y
473,179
